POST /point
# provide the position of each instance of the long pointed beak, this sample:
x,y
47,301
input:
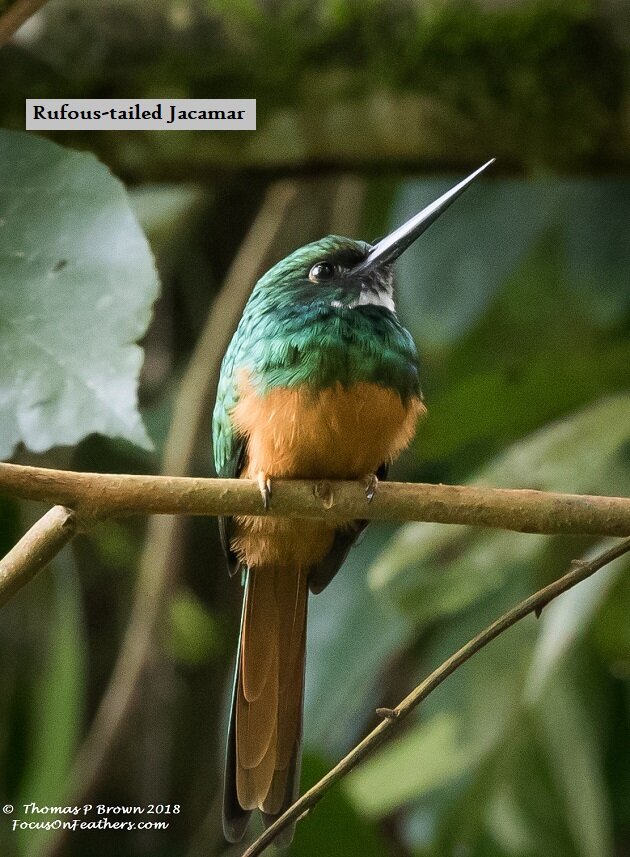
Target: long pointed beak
x,y
389,248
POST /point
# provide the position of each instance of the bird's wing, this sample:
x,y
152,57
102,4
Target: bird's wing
x,y
228,447
225,524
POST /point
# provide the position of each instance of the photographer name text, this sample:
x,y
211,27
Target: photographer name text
x,y
89,816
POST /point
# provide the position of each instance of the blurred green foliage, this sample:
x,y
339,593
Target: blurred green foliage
x,y
519,300
193,630
58,697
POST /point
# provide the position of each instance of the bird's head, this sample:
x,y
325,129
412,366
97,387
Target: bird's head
x,y
341,272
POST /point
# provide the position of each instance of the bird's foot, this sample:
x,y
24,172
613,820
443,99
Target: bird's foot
x,y
371,486
264,486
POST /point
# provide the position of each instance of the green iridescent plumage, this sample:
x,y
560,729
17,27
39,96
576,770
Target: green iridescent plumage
x,y
298,332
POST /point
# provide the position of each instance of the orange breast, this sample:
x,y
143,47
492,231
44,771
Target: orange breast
x,y
336,433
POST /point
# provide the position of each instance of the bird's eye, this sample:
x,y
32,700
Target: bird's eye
x,y
321,271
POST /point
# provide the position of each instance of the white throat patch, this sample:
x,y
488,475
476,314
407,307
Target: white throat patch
x,y
369,298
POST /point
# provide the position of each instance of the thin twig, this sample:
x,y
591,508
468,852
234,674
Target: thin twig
x,y
578,572
35,550
16,15
521,510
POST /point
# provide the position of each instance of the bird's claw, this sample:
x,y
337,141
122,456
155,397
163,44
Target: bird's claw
x,y
264,486
371,485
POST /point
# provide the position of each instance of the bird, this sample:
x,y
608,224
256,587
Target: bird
x,y
320,381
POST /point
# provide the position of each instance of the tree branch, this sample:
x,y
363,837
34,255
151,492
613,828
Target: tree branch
x,y
35,550
521,510
16,15
578,572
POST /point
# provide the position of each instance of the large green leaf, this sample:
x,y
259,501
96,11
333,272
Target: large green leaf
x,y
77,283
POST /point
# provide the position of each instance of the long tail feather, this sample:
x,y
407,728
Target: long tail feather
x,y
235,818
264,738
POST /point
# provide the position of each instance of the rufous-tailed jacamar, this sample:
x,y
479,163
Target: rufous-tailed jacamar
x,y
319,381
